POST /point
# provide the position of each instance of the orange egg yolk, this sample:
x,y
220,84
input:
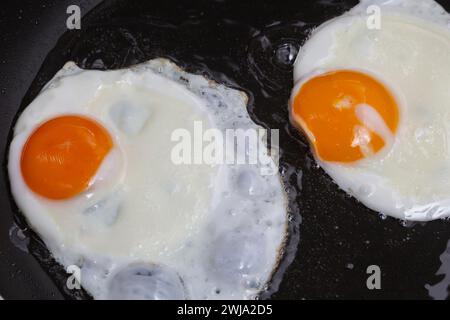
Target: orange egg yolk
x,y
61,157
325,108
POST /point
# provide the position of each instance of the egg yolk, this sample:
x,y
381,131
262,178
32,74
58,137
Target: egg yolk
x,y
60,158
326,107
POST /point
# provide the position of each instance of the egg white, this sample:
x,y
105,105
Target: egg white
x,y
147,228
410,178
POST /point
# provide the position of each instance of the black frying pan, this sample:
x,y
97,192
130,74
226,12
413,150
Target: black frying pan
x,y
244,44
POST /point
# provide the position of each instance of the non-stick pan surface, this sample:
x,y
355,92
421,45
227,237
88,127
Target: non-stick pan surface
x,y
244,44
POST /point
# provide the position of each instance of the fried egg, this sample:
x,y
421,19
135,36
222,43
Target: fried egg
x,y
91,169
372,94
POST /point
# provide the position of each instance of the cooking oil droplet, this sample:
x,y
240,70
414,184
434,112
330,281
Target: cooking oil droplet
x,y
285,54
19,238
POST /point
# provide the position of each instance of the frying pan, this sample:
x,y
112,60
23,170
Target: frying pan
x,y
248,45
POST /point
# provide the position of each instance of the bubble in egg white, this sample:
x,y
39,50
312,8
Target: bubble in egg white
x,y
105,211
145,282
129,118
249,184
235,256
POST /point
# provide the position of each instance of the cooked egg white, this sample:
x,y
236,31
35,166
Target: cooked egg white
x,y
145,227
400,158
